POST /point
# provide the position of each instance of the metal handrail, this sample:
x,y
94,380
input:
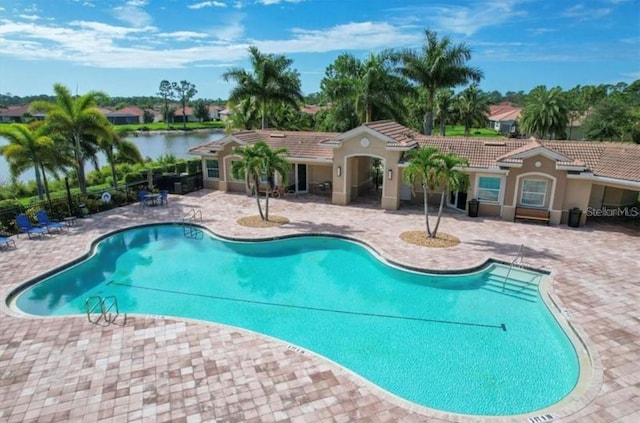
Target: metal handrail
x,y
193,215
105,311
90,310
520,256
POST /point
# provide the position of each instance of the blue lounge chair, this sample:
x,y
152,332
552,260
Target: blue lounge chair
x,y
24,225
7,241
44,221
164,197
141,198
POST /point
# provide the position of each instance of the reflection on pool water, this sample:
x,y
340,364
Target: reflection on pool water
x,y
469,344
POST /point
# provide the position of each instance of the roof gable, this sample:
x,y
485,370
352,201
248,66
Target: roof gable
x,y
396,136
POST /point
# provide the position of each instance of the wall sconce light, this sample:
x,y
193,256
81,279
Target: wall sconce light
x,y
390,174
339,171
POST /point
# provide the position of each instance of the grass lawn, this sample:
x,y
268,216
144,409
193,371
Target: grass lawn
x,y
458,131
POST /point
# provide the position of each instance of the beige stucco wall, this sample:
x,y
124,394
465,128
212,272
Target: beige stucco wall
x,y
352,170
577,194
545,171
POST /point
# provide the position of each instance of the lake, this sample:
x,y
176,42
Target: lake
x,y
150,145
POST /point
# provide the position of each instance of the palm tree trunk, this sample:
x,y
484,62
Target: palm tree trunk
x,y
38,182
266,204
256,184
426,210
112,162
442,197
264,115
443,127
428,122
80,162
369,113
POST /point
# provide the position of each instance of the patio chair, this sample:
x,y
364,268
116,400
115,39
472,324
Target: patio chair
x,y
25,226
7,241
44,221
141,197
164,197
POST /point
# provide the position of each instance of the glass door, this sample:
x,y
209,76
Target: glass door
x,y
301,178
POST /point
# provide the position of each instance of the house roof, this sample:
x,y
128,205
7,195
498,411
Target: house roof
x,y
504,112
300,144
125,111
16,111
611,160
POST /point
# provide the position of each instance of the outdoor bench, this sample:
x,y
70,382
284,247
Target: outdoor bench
x,y
532,214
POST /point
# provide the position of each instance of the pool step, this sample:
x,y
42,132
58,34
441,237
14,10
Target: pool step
x,y
520,284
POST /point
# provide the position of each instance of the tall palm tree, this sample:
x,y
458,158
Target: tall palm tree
x,y
439,64
450,178
79,120
260,161
270,82
546,113
117,149
29,146
249,168
443,108
370,89
436,170
472,107
273,162
423,166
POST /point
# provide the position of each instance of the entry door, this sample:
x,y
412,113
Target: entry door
x,y
301,178
459,200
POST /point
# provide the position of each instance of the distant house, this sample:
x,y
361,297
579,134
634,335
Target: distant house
x,y
17,114
125,116
503,117
225,113
188,114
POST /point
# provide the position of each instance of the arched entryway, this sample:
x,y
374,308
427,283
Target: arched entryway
x,y
364,181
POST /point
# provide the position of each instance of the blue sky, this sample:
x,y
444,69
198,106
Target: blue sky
x,y
126,47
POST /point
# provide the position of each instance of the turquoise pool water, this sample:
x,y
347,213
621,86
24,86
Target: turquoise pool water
x,y
455,343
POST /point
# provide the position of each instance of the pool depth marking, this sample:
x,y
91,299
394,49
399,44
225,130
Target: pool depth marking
x,y
501,326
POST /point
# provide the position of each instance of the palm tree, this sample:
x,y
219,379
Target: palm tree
x,y
245,115
249,168
271,82
450,178
443,108
29,146
79,121
423,164
259,161
472,107
435,170
546,113
440,64
273,162
117,149
370,89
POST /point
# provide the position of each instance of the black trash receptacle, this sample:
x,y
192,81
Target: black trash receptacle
x,y
575,214
473,205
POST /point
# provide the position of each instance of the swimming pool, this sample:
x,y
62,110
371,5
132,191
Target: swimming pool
x,y
455,343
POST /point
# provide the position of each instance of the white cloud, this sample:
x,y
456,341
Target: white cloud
x,y
351,36
102,45
133,15
207,4
466,20
581,13
29,17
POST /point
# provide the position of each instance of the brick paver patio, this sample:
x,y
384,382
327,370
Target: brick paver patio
x,y
153,369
